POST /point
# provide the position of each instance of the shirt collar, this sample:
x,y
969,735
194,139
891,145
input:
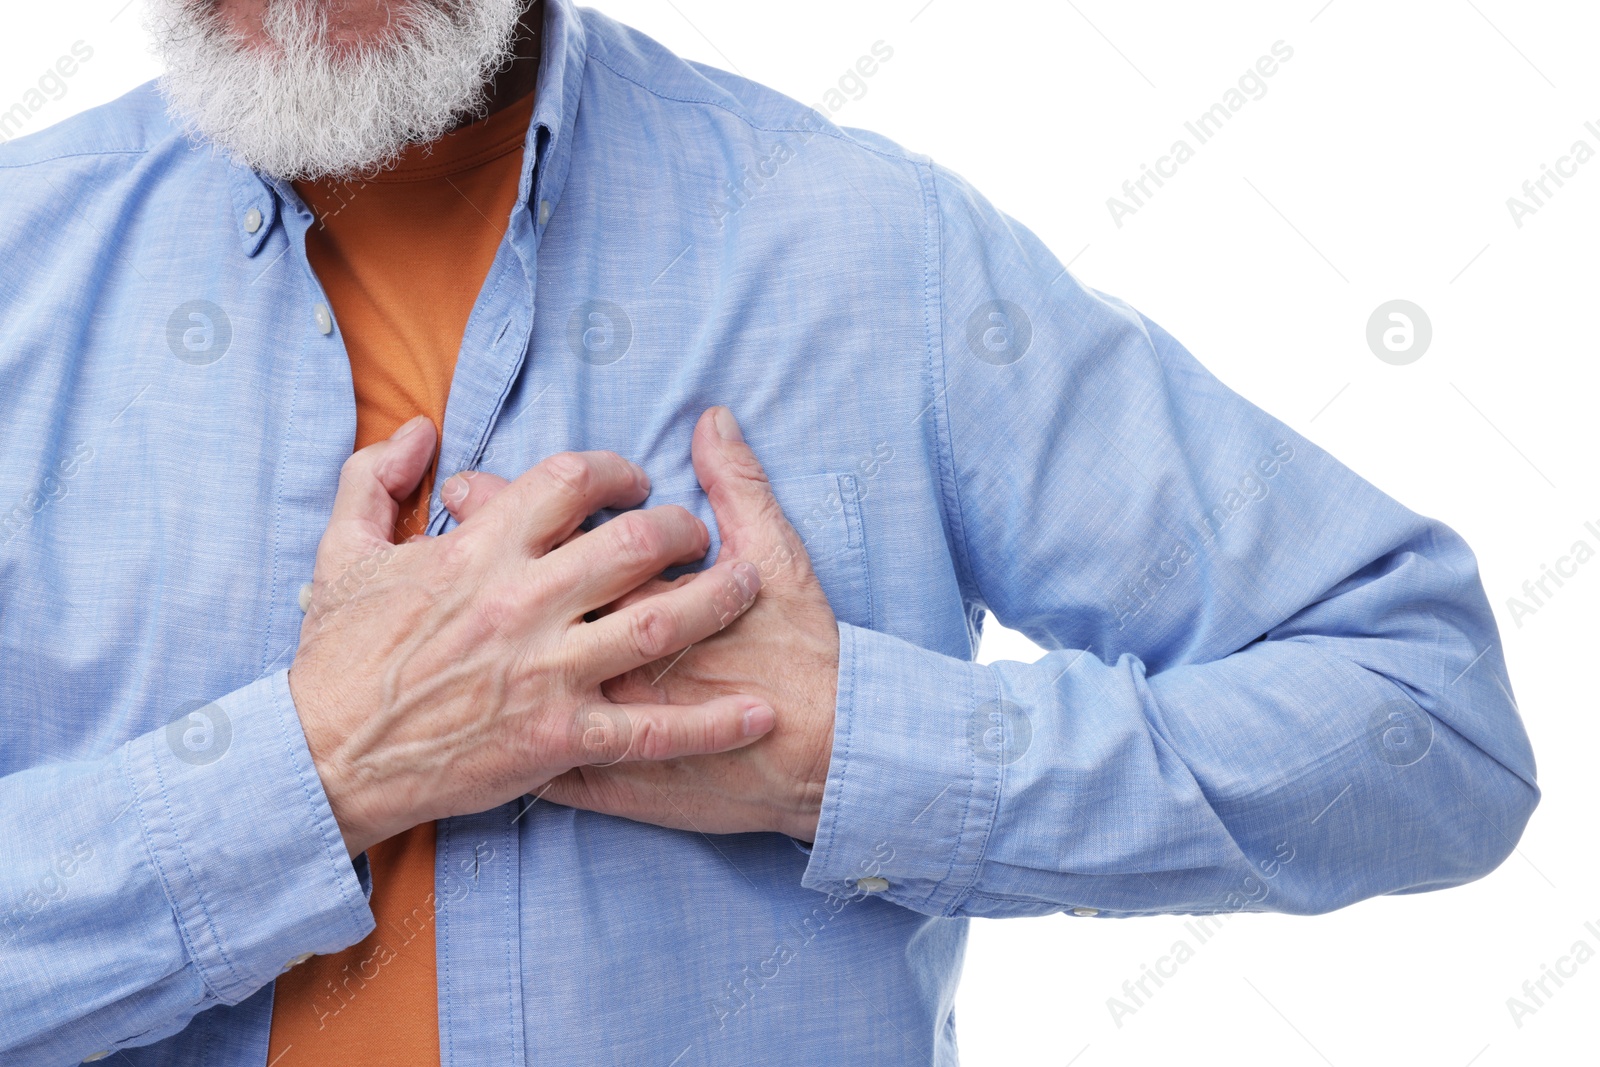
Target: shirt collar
x,y
560,79
561,64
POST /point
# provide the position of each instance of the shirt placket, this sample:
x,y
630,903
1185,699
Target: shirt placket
x,y
477,879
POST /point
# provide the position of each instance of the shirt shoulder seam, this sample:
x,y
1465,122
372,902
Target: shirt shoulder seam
x,y
835,133
74,155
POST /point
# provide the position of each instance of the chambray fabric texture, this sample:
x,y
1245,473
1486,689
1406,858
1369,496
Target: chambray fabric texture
x,y
1269,685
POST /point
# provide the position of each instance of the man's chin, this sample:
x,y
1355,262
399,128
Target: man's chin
x,y
305,106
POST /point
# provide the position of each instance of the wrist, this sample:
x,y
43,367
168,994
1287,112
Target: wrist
x,y
347,797
804,808
805,805
801,824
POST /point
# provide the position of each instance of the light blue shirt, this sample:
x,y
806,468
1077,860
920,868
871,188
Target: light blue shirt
x,y
1269,685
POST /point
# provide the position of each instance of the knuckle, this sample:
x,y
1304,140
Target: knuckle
x,y
636,538
651,630
747,466
568,660
650,741
569,473
354,467
681,517
602,737
454,551
497,611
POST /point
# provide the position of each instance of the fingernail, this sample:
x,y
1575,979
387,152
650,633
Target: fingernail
x,y
644,482
411,427
758,720
454,489
727,426
748,577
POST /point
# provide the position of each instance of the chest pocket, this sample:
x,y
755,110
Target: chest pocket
x,y
825,510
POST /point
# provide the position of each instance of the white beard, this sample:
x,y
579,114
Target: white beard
x,y
300,109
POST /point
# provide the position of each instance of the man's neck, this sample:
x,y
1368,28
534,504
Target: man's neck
x,y
518,78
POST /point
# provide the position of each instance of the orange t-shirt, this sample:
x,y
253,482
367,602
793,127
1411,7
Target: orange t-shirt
x,y
402,258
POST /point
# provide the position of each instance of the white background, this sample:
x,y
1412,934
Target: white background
x,y
1376,167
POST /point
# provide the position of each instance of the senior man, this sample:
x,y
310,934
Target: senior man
x,y
313,757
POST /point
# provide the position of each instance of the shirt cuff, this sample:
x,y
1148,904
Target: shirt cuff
x,y
240,833
913,786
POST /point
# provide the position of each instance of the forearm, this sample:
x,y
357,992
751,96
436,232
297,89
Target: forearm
x,y
146,886
1257,782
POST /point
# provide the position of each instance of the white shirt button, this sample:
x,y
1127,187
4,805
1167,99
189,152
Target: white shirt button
x,y
872,885
252,220
324,319
297,961
544,212
1086,911
305,598
102,1054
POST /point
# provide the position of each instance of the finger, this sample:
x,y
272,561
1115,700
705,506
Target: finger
x,y
607,733
372,483
466,492
641,592
616,556
750,521
544,505
666,624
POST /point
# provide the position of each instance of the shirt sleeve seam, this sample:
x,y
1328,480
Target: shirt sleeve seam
x,y
939,382
984,831
166,881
